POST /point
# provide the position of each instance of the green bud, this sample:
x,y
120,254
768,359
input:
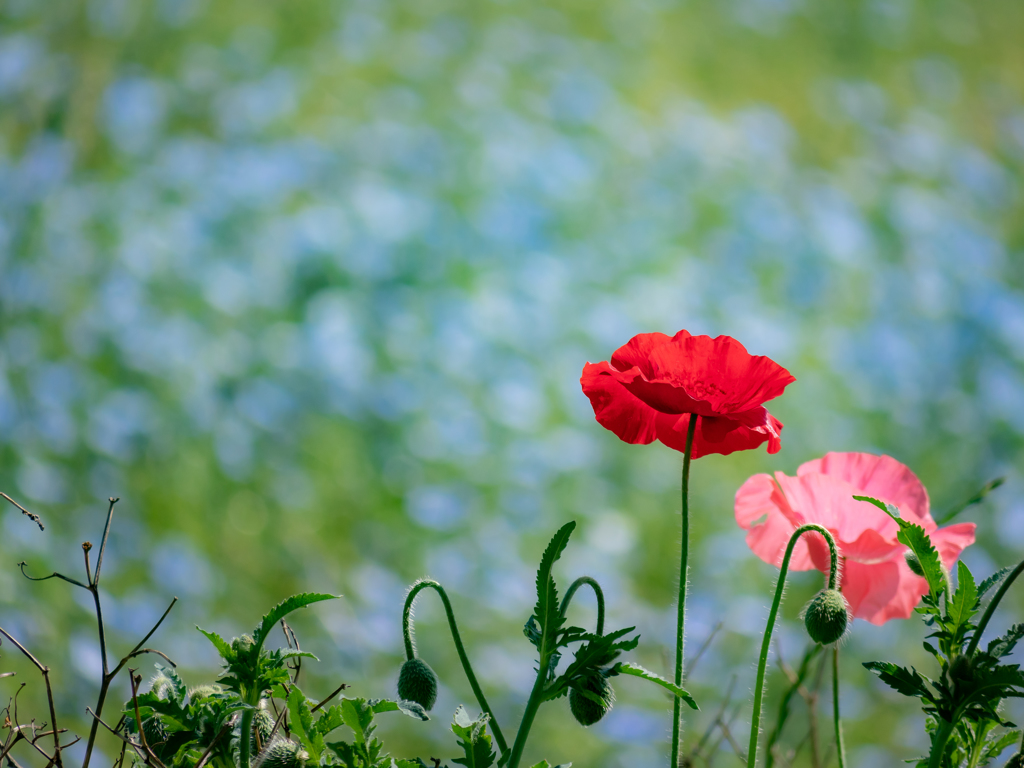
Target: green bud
x,y
826,616
284,754
243,644
914,563
263,724
1017,761
417,682
587,711
202,691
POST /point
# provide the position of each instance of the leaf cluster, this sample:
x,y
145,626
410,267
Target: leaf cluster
x,y
962,701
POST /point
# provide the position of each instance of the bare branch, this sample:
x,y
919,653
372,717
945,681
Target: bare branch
x,y
33,517
103,544
139,649
53,575
336,691
700,652
49,695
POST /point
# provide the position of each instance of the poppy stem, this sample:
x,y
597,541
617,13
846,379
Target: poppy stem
x,y
755,722
677,709
598,593
976,638
840,749
410,649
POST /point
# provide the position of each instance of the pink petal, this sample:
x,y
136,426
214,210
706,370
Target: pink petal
x,y
951,541
879,476
878,592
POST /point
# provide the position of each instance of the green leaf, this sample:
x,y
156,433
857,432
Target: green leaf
x,y
914,537
992,580
410,708
222,645
962,607
546,611
474,740
546,764
905,681
626,668
1002,646
282,609
288,653
358,716
301,722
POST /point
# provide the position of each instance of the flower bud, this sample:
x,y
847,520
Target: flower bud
x,y
914,563
826,616
587,711
417,682
202,691
285,754
263,724
243,645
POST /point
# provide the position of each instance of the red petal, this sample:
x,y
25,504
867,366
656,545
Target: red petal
x,y
636,352
615,408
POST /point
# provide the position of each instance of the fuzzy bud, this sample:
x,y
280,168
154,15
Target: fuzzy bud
x,y
285,754
586,711
263,725
417,682
914,563
826,616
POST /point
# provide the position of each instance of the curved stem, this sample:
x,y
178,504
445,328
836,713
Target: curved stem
x,y
598,593
840,749
410,648
755,723
677,709
976,638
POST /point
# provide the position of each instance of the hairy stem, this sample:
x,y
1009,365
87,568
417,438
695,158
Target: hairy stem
x,y
598,593
755,723
677,708
976,638
410,649
840,749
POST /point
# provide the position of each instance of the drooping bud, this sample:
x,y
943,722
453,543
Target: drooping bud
x,y
417,682
587,711
914,563
285,754
202,691
826,616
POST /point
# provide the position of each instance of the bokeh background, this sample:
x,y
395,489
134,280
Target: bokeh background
x,y
310,285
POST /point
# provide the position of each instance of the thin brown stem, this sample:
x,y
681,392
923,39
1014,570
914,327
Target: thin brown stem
x,y
31,516
330,696
103,544
49,694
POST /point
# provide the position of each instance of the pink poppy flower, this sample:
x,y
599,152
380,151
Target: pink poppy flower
x,y
655,383
876,580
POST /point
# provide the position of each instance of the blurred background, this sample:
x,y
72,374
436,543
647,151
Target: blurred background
x,y
309,286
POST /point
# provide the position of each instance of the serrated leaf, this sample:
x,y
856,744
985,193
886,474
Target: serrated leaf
x,y
222,645
546,611
288,653
282,609
627,668
301,722
962,607
905,681
410,708
995,745
914,537
1002,646
473,738
992,580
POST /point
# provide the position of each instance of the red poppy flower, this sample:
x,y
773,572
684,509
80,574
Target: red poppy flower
x,y
876,580
655,383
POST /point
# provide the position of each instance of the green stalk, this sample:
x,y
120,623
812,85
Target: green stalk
x,y
598,593
755,723
410,649
677,708
840,749
976,638
942,734
533,704
245,737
